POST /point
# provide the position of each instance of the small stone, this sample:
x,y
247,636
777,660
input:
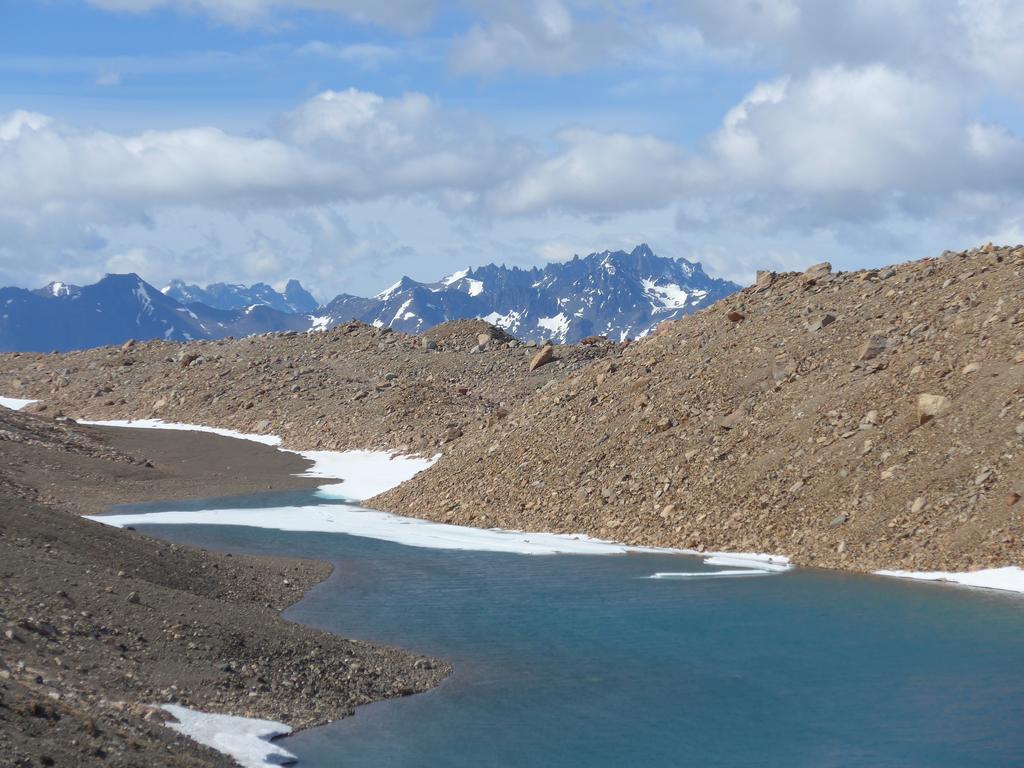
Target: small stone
x,y
918,505
885,274
971,368
731,420
482,339
263,425
783,367
873,347
423,664
931,406
838,520
735,317
133,597
823,321
429,344
1018,358
869,420
1012,499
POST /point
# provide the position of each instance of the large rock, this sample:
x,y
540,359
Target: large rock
x,y
931,406
546,355
817,271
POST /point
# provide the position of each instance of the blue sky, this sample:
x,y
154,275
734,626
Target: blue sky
x,y
346,142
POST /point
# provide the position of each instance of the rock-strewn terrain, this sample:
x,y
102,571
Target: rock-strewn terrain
x,y
354,386
852,420
97,623
858,420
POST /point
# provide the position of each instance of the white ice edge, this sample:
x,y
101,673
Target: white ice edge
x,y
710,574
272,440
1008,579
15,403
367,473
245,739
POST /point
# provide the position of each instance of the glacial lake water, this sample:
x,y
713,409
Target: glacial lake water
x,y
583,661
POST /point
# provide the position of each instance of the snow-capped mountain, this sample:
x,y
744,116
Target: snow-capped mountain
x,y
294,299
118,308
613,293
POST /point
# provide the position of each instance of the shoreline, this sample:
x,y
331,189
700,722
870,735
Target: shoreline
x,y
154,622
1001,579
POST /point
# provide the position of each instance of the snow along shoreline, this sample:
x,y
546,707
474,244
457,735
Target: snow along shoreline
x,y
367,473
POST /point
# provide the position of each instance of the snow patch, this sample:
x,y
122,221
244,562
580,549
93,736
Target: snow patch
x,y
363,473
402,311
1008,579
387,293
319,323
454,277
509,322
15,403
557,325
665,297
476,287
245,739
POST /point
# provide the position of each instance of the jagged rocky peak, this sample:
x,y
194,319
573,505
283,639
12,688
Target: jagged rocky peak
x,y
229,296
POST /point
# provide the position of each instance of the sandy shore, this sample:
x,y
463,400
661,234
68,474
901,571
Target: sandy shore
x,y
99,622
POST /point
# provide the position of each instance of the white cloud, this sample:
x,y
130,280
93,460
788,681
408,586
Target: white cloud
x,y
402,15
868,159
363,55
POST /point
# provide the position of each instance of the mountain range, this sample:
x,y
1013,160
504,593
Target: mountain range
x,y
617,294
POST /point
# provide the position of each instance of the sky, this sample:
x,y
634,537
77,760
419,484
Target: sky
x,y
349,142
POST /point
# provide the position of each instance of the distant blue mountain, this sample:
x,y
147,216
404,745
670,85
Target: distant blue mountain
x,y
117,308
617,294
294,299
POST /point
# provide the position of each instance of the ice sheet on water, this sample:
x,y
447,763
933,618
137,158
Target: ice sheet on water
x,y
1008,579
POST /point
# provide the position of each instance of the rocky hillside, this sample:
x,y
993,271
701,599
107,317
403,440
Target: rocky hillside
x,y
855,420
354,386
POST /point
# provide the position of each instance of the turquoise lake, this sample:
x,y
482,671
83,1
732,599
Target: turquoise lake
x,y
579,660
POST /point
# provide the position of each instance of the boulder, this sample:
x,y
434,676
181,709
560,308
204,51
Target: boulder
x,y
817,271
735,316
546,355
931,406
764,280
